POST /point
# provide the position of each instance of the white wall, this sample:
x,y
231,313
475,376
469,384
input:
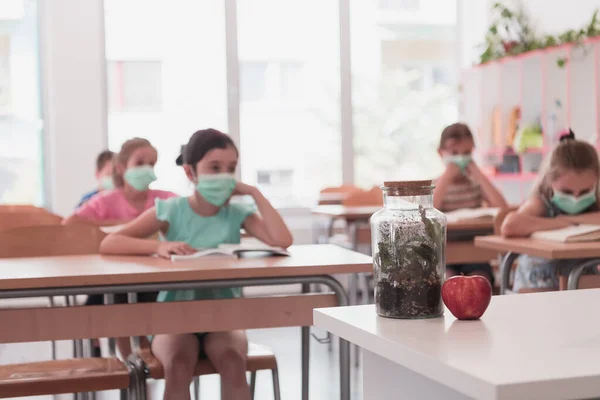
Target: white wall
x,y
73,72
551,16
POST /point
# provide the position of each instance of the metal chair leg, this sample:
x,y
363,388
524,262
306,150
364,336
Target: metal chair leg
x,y
53,344
196,383
276,389
252,384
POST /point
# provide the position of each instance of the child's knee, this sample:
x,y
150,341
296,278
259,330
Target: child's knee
x,y
232,367
178,367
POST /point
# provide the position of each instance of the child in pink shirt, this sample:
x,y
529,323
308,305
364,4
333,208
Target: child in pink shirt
x,y
133,172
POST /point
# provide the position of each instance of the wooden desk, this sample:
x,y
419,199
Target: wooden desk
x,y
346,213
536,346
95,274
540,248
332,198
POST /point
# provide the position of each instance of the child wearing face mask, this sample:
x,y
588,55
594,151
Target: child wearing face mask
x,y
103,175
463,185
205,219
132,173
566,194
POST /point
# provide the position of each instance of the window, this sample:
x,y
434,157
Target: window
x,y
172,80
403,90
134,86
399,5
21,145
295,128
253,81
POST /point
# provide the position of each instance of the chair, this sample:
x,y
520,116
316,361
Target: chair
x,y
59,376
260,358
21,218
66,376
336,194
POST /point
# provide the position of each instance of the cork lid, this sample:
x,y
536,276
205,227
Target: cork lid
x,y
408,187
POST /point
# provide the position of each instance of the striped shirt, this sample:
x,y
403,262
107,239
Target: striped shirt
x,y
463,194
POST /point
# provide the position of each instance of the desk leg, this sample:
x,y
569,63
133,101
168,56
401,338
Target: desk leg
x,y
132,298
305,352
505,268
112,348
576,273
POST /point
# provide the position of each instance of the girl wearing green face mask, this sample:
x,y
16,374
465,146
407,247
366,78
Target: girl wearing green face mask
x,y
205,219
567,194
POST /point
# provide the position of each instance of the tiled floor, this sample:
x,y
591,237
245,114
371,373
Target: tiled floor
x,y
285,342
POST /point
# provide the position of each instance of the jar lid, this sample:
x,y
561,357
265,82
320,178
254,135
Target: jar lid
x,y
409,187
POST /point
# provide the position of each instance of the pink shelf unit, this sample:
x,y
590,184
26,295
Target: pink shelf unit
x,y
557,97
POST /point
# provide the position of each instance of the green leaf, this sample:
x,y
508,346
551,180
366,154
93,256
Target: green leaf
x,y
561,62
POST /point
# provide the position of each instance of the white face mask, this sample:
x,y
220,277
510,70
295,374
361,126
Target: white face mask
x,y
460,160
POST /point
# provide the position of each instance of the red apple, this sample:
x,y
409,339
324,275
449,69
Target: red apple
x,y
467,297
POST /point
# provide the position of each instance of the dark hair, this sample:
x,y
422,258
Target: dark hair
x,y
202,142
127,149
457,131
569,155
103,158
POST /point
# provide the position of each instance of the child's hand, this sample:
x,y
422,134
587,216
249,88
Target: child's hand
x,y
166,249
473,170
241,189
453,171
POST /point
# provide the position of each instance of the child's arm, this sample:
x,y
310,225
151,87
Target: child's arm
x,y
131,239
529,219
441,184
491,195
269,226
592,218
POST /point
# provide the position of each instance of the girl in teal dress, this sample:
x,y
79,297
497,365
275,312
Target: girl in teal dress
x,y
205,219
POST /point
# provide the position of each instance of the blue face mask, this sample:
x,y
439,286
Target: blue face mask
x,y
140,177
572,204
216,189
106,183
460,160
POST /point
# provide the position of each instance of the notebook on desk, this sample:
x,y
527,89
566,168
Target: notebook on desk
x,y
571,234
232,251
466,214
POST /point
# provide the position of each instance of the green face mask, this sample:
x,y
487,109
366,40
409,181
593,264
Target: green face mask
x,y
460,160
572,204
216,189
106,183
140,177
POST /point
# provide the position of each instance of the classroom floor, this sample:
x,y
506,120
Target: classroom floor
x,y
285,342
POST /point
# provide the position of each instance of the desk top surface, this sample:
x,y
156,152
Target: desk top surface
x,y
540,248
534,346
94,270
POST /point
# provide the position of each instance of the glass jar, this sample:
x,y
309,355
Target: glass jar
x,y
408,238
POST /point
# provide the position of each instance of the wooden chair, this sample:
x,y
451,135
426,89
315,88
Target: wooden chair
x,y
336,194
50,240
66,376
59,376
260,358
24,218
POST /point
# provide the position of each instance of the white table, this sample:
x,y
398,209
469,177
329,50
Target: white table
x,y
530,346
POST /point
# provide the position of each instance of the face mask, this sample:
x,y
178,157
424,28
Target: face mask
x,y
216,189
140,177
572,204
106,183
460,160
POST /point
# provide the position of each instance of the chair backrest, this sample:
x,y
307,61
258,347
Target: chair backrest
x,y
336,195
50,240
372,197
19,219
340,189
10,208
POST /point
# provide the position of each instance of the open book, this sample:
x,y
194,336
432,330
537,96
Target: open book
x,y
232,251
471,213
570,234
